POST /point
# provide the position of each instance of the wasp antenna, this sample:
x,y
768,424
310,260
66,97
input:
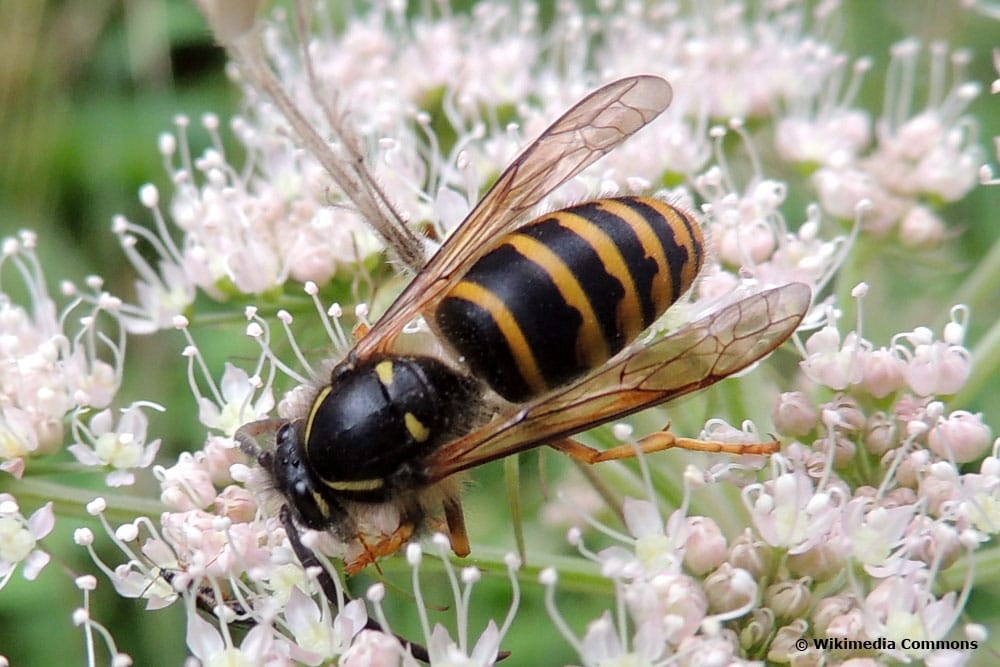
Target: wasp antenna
x,y
246,436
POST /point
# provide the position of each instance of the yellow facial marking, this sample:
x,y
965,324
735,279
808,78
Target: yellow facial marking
x,y
324,509
384,371
419,432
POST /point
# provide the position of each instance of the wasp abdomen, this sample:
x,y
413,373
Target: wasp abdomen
x,y
567,291
367,425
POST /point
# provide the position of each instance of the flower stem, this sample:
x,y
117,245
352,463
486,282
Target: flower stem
x,y
72,501
985,361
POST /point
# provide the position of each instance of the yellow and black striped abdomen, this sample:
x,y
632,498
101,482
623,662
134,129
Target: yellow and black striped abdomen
x,y
567,291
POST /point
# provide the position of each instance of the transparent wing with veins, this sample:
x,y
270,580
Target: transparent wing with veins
x,y
696,356
589,130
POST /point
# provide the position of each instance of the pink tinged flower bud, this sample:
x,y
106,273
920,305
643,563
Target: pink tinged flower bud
x,y
237,504
729,588
847,626
829,609
789,599
784,647
705,548
822,561
880,434
736,244
758,630
935,543
794,414
935,491
883,373
897,497
961,437
909,408
750,554
921,229
846,412
844,450
828,363
371,649
909,470
938,368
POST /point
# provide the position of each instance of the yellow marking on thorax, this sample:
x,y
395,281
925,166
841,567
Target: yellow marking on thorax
x,y
384,370
324,392
524,358
629,312
356,485
592,348
416,428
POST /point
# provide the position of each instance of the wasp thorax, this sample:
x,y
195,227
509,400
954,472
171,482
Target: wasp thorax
x,y
367,430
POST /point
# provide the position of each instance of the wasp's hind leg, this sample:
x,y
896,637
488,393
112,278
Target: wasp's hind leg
x,y
457,534
657,442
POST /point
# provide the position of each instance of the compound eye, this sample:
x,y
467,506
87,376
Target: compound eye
x,y
285,437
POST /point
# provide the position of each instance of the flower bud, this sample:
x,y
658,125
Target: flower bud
x,y
705,548
794,414
789,599
729,588
847,412
757,630
961,437
938,368
933,542
850,625
822,561
883,373
843,449
935,491
750,554
880,434
829,609
921,229
237,504
783,647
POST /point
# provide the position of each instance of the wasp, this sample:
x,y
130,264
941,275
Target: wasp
x,y
541,321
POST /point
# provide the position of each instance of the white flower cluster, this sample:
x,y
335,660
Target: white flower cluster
x,y
401,117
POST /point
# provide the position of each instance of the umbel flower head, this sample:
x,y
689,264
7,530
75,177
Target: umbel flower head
x,y
365,138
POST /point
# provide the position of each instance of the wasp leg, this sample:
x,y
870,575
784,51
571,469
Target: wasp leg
x,y
657,442
308,560
455,517
386,546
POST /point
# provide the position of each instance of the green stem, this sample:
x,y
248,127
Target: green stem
x,y
985,362
854,271
980,287
986,562
72,501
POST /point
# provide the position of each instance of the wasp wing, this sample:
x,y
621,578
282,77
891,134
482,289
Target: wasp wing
x,y
692,358
593,127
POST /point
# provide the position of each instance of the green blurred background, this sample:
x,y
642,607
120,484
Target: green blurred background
x,y
86,86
